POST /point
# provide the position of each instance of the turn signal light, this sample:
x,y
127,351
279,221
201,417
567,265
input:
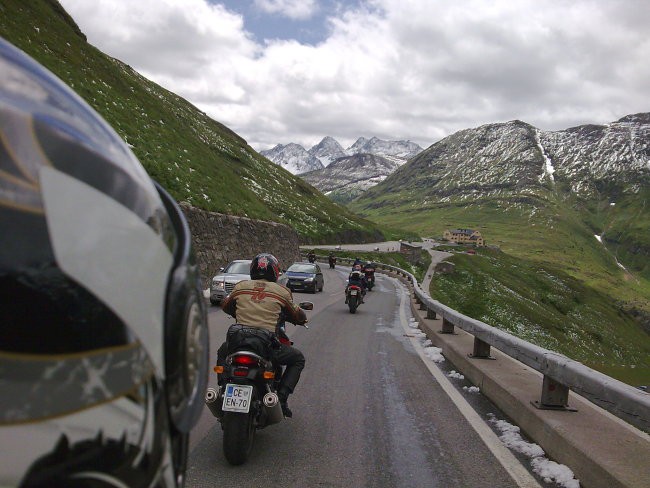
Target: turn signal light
x,y
218,369
269,375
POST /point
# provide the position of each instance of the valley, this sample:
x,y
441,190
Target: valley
x,y
540,198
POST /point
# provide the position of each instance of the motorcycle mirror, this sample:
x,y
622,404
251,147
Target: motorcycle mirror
x,y
306,305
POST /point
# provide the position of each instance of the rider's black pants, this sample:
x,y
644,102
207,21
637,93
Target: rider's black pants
x,y
284,355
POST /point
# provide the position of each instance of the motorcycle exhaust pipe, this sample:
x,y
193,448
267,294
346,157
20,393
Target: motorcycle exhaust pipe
x,y
272,406
211,397
270,399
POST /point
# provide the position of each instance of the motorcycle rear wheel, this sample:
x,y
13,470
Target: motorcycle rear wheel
x,y
238,436
352,304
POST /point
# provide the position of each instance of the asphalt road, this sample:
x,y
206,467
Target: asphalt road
x,y
367,411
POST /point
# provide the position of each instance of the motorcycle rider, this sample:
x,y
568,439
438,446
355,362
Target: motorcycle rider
x,y
103,333
368,270
311,257
332,260
357,278
264,304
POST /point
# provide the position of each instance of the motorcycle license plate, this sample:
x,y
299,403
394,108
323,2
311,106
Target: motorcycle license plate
x,y
353,292
237,398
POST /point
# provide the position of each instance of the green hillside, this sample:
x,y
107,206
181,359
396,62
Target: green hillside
x,y
196,158
546,306
599,312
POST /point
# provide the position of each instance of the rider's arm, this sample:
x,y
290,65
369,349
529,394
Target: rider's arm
x,y
229,306
294,314
291,312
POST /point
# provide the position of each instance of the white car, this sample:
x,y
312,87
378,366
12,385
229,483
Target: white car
x,y
223,283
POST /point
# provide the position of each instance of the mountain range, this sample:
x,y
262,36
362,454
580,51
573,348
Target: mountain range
x,y
348,177
588,163
298,160
601,173
566,212
577,199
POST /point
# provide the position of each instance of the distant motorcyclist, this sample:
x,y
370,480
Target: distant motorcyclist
x,y
358,262
332,260
311,257
357,278
369,273
263,304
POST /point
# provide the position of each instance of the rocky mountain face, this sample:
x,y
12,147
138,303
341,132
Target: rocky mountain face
x,y
349,176
298,160
586,161
397,151
592,159
327,150
576,184
293,157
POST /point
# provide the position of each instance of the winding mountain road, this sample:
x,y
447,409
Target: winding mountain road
x,y
368,411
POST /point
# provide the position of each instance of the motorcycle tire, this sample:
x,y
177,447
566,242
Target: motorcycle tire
x,y
353,304
238,436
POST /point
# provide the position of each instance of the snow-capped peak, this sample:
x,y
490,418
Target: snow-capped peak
x,y
293,157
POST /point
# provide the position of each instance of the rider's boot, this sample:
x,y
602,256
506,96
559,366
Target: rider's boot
x,y
283,395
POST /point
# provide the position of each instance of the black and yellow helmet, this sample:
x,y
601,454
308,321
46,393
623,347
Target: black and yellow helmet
x,y
103,336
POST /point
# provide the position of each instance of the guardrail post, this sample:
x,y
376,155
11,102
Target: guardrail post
x,y
555,396
481,350
423,306
447,327
431,314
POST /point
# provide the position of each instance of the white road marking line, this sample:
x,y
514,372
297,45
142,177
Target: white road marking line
x,y
507,459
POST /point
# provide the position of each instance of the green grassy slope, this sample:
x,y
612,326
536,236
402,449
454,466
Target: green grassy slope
x,y
546,306
544,228
599,314
196,158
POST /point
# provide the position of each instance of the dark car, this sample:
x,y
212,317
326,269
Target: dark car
x,y
304,277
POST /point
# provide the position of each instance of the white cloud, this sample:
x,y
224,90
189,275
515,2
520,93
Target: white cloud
x,y
293,9
396,69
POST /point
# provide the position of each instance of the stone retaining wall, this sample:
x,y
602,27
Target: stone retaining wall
x,y
220,238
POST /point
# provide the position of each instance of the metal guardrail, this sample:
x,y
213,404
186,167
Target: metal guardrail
x,y
561,373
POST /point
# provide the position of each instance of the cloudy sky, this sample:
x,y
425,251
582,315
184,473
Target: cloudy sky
x,y
280,71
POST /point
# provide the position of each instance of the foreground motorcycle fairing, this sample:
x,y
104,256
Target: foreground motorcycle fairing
x,y
247,399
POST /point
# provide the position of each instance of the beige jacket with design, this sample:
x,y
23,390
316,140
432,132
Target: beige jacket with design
x,y
258,303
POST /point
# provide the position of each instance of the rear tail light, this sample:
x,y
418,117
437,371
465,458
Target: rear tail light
x,y
244,361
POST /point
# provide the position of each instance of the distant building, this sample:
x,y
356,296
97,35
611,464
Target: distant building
x,y
464,236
